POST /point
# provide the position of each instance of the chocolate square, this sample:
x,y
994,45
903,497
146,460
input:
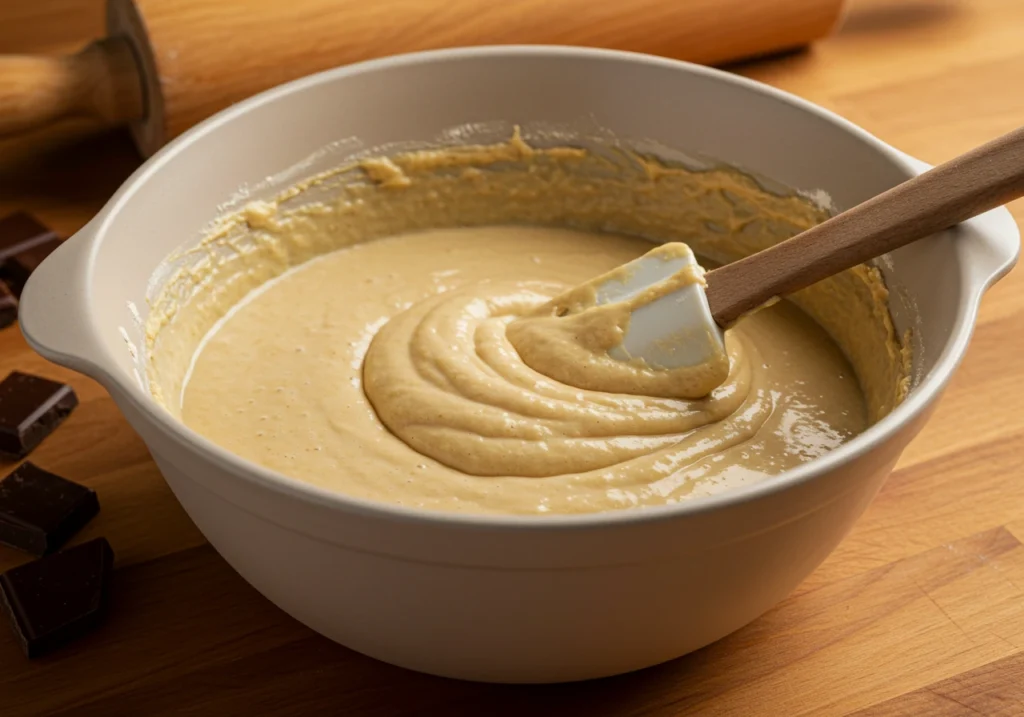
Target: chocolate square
x,y
8,306
20,232
30,409
56,599
40,511
16,269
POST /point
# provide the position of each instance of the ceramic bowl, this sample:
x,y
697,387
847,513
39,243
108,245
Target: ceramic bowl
x,y
510,599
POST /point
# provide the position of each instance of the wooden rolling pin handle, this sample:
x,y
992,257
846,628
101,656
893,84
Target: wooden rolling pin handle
x,y
102,81
966,186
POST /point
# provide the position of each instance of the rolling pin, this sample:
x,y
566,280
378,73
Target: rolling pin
x,y
167,64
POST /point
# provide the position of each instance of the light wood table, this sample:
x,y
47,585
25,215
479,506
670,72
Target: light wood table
x,y
919,611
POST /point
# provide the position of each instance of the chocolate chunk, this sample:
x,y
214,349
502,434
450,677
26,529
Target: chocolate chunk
x,y
16,269
30,409
56,599
8,307
24,243
20,232
40,511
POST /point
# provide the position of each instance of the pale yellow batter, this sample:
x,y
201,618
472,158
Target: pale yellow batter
x,y
385,370
569,338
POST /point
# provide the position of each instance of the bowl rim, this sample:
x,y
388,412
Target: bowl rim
x,y
923,394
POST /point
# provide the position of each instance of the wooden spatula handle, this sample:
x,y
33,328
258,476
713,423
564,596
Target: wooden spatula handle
x,y
982,179
101,81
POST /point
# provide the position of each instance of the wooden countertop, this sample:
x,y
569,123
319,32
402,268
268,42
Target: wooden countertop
x,y
919,611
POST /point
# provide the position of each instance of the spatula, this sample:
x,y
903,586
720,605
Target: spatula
x,y
968,185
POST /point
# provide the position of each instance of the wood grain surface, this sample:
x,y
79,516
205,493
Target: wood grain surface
x,y
919,611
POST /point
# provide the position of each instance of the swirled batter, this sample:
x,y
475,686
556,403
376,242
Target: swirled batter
x,y
384,368
580,341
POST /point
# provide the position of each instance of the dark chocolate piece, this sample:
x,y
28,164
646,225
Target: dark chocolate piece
x,y
30,409
16,269
8,307
40,511
56,599
20,232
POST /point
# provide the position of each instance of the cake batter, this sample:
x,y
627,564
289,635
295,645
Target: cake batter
x,y
384,369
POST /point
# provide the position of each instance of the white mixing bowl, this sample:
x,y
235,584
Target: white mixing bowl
x,y
511,599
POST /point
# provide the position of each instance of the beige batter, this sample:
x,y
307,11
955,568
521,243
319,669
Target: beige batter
x,y
569,337
385,369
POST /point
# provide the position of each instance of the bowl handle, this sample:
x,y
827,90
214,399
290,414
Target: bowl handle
x,y
993,239
54,308
994,245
